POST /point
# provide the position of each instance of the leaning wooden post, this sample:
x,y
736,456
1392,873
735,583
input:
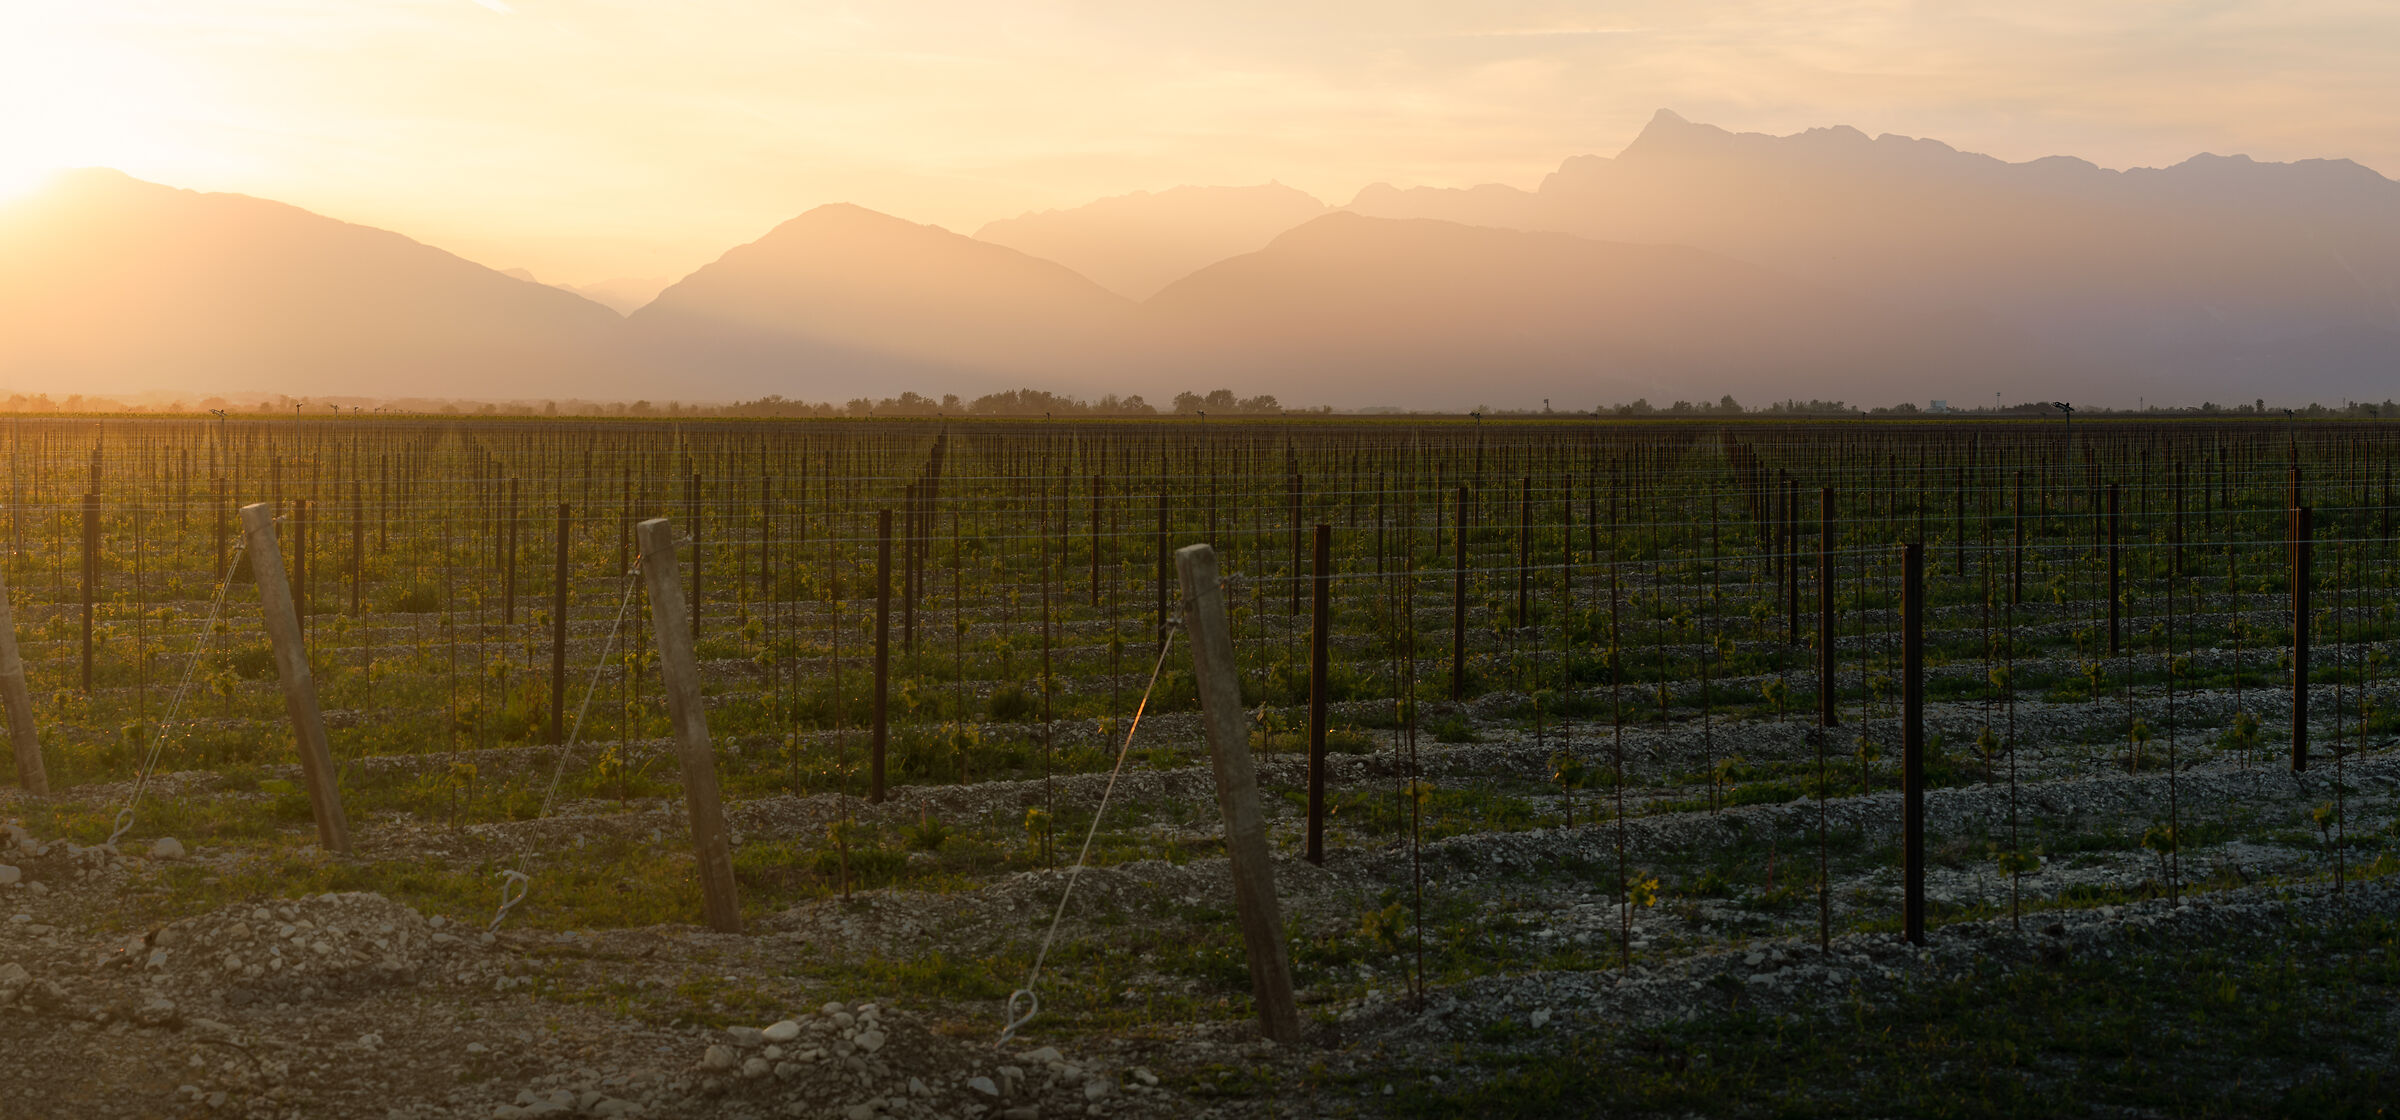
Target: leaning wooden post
x,y
656,539
1226,724
1912,742
299,685
1827,713
91,579
20,702
883,653
2116,571
1320,604
1458,606
2303,534
558,632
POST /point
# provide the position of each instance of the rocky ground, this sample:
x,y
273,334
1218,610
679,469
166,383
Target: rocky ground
x,y
210,977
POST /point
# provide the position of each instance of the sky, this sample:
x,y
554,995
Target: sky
x,y
593,139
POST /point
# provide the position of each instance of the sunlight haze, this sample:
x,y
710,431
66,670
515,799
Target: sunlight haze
x,y
592,142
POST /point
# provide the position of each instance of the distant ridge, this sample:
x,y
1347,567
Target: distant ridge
x,y
108,283
846,301
1440,314
1136,244
2197,279
1696,262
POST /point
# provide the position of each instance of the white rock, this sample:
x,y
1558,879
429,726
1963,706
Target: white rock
x,y
833,1007
13,975
1143,1075
1097,1088
784,1031
983,1085
167,847
756,1068
1045,1054
718,1057
748,1038
870,1040
1541,1016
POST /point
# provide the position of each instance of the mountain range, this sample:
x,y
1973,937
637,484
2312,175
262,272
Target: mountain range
x,y
1695,262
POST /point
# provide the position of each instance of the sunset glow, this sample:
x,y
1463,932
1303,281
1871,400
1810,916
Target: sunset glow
x,y
592,141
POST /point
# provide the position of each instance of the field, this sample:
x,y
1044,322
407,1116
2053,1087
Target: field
x,y
1600,834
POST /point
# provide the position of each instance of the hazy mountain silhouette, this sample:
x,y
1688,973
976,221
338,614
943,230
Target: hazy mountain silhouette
x,y
1438,314
1696,262
109,282
843,301
2197,279
1138,243
622,294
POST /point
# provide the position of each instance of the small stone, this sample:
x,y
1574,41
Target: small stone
x,y
718,1057
1021,1112
860,1112
478,1048
1143,1075
784,1031
10,876
748,1038
13,975
785,1071
1098,1087
507,1112
831,1008
916,1088
983,1085
870,1040
167,847
1043,1055
1541,1017
756,1068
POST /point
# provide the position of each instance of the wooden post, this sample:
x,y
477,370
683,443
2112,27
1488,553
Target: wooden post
x,y
699,593
1826,714
1458,605
2115,572
91,577
1524,546
1166,561
508,560
1791,563
1320,602
1227,728
908,568
558,633
358,547
2303,548
656,539
1295,498
1912,742
2016,556
20,702
299,685
883,651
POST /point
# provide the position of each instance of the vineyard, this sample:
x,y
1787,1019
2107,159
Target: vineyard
x,y
1586,779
